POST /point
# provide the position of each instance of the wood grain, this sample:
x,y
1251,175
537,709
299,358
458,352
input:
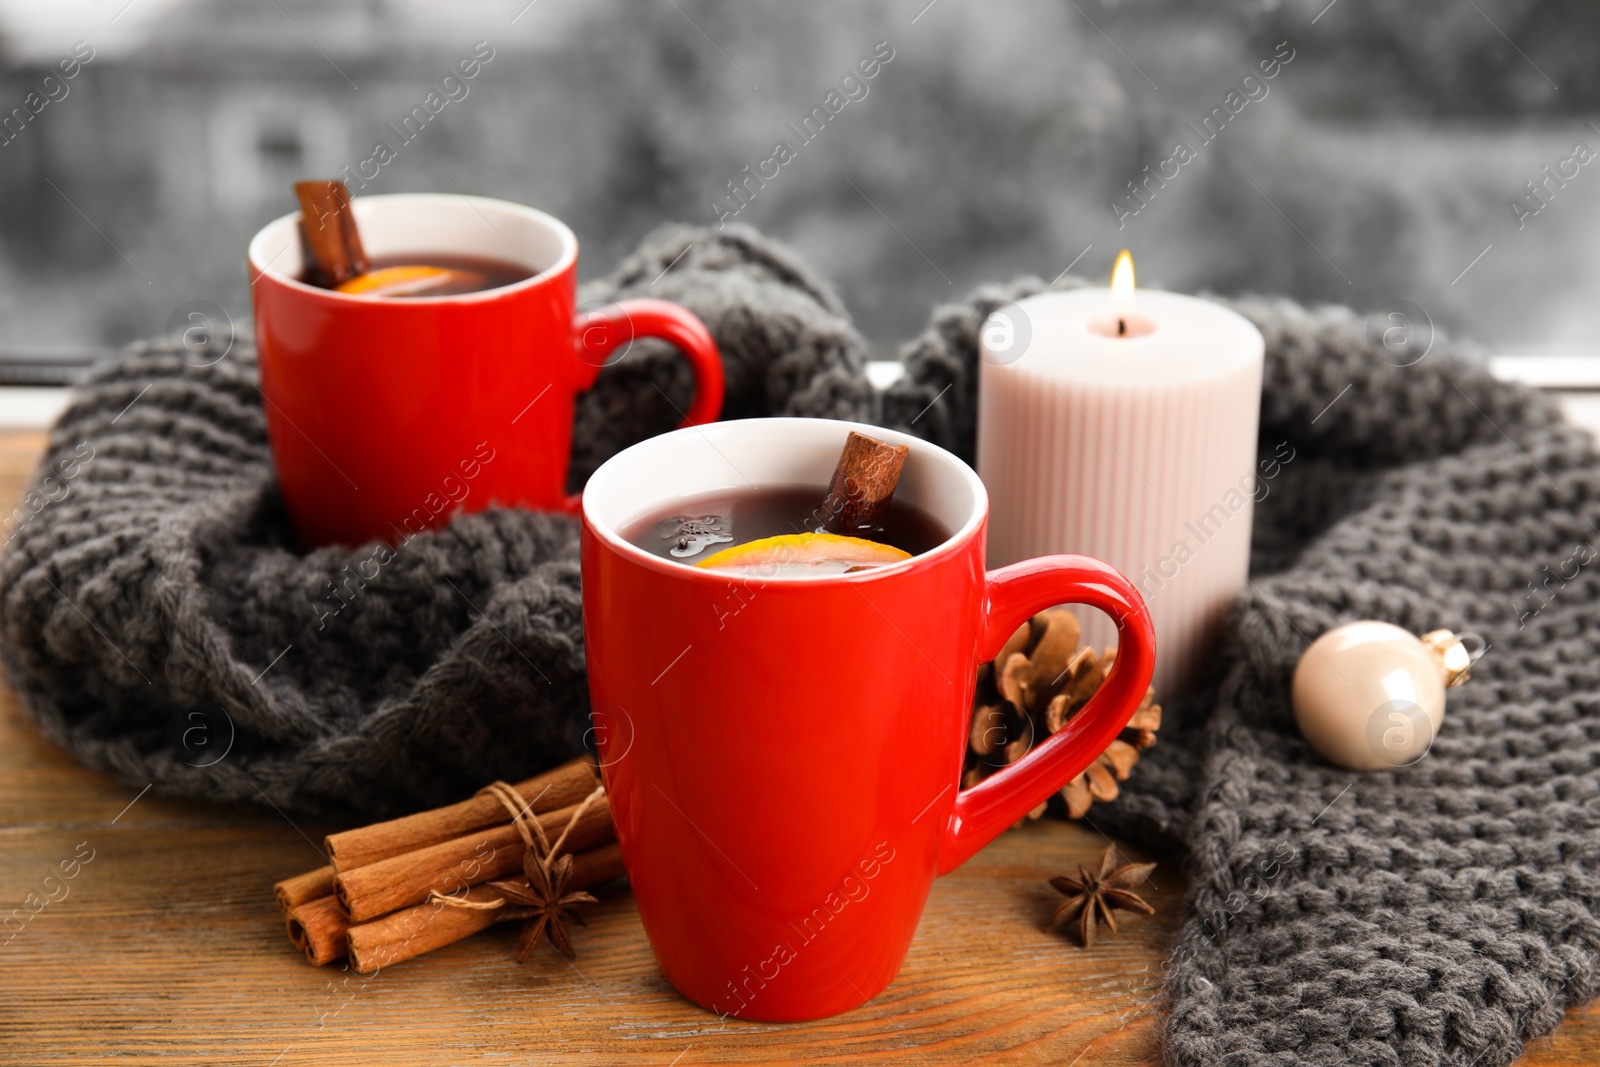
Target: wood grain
x,y
167,946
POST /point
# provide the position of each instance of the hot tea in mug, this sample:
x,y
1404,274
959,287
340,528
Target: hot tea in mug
x,y
697,530
781,679
378,402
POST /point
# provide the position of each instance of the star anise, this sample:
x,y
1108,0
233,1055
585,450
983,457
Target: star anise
x,y
544,902
1090,897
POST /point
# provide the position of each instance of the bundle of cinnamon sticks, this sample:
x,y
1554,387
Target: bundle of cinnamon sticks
x,y
395,890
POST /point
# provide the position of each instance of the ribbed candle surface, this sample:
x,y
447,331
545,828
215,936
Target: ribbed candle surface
x,y
1137,450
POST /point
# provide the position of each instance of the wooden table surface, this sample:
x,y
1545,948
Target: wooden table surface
x,y
167,948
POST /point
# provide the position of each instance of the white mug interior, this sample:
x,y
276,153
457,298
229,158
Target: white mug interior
x,y
728,457
424,224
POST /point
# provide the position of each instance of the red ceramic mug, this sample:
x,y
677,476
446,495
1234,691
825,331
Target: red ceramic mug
x,y
388,416
783,755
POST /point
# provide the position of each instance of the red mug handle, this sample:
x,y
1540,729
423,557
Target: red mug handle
x,y
1011,595
596,334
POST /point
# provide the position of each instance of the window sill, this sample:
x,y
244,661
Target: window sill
x,y
1574,381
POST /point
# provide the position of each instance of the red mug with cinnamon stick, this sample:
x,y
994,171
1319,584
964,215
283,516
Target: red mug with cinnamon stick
x,y
783,750
388,415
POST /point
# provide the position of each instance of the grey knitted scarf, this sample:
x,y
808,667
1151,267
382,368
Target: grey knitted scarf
x,y
1443,914
154,613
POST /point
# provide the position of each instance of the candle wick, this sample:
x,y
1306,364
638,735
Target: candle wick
x,y
1122,326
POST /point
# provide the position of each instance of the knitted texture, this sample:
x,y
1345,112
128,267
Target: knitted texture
x,y
787,344
1440,914
152,603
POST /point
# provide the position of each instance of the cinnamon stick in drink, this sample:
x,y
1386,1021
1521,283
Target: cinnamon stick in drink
x,y
562,787
318,928
376,889
410,932
303,887
328,235
862,485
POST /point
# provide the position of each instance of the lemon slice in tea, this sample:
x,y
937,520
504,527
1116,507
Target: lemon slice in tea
x,y
805,553
409,281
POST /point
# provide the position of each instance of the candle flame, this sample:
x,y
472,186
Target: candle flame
x,y
1122,279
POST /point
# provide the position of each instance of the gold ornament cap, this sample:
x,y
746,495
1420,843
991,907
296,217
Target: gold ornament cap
x,y
1455,658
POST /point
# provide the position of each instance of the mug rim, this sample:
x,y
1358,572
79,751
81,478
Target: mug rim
x,y
255,252
954,543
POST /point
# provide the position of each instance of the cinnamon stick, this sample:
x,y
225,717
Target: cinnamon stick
x,y
303,887
559,788
375,889
318,928
862,485
328,234
408,933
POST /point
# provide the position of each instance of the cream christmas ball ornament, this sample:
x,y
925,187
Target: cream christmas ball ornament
x,y
1370,696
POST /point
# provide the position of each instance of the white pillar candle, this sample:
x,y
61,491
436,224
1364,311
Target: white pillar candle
x,y
1123,426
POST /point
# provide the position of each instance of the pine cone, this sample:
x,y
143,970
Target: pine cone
x,y
1034,687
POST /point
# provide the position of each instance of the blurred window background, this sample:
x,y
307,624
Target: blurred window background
x,y
1436,151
